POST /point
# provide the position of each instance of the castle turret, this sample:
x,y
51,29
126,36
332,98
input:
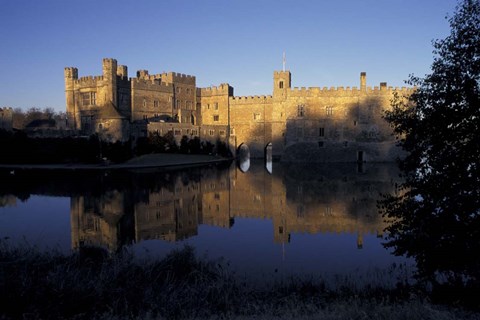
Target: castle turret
x,y
71,75
363,81
109,67
122,72
282,82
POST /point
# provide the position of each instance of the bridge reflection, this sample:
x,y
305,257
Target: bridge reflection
x,y
171,206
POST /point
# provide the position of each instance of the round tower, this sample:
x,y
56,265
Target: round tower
x,y
109,67
70,75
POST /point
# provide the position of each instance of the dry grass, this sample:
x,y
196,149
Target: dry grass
x,y
93,284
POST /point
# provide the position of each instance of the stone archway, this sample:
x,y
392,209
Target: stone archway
x,y
243,157
243,151
268,157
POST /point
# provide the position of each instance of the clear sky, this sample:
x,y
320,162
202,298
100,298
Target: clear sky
x,y
327,42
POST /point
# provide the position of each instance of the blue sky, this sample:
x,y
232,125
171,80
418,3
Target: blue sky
x,y
327,43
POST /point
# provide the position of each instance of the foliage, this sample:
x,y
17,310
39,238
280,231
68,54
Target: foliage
x,y
156,143
22,149
92,283
436,211
31,117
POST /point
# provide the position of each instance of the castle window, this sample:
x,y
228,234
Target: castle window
x,y
222,132
93,96
216,106
300,110
86,98
256,116
280,84
212,132
328,211
215,118
321,132
329,110
155,104
194,132
208,105
144,103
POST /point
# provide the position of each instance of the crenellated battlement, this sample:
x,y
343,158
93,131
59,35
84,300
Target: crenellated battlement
x,y
317,91
71,73
151,83
251,99
222,89
178,78
88,80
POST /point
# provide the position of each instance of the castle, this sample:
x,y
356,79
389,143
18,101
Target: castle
x,y
296,124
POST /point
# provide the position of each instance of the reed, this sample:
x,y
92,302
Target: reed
x,y
94,284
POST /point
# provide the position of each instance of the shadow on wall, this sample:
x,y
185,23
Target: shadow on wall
x,y
358,134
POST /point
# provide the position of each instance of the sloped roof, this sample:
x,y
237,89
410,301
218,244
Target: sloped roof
x,y
109,111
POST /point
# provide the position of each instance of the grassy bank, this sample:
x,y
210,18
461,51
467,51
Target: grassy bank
x,y
93,284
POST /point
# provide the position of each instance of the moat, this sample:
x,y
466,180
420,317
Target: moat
x,y
264,219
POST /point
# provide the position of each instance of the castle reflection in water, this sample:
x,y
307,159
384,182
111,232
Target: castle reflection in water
x,y
171,206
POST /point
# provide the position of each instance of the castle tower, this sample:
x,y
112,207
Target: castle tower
x,y
70,75
109,67
122,72
363,81
282,82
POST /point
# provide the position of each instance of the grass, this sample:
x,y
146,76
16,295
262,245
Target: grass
x,y
92,284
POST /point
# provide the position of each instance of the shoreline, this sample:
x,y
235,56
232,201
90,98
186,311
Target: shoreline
x,y
159,160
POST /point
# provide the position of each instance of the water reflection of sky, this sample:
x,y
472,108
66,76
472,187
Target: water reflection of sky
x,y
291,221
41,220
251,251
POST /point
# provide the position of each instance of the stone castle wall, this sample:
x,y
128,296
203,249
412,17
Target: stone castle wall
x,y
300,124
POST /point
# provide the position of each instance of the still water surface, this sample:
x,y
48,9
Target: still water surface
x,y
279,219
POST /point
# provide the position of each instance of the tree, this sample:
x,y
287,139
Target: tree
x,y
436,212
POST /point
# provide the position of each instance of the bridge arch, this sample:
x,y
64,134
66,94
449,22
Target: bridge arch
x,y
268,157
243,157
243,151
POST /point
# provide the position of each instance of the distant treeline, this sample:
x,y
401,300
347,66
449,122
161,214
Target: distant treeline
x,y
35,117
20,149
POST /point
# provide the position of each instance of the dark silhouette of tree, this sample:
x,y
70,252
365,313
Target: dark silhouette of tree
x,y
436,211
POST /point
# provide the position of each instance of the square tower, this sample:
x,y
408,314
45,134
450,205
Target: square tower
x,y
282,82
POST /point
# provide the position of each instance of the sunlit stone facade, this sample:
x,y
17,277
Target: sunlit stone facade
x,y
301,124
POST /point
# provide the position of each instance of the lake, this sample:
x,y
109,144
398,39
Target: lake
x,y
263,219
